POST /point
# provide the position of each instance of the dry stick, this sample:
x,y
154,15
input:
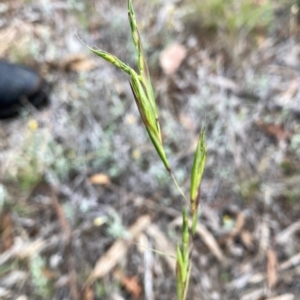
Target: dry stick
x,y
68,245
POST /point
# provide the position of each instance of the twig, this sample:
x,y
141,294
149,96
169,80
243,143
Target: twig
x,y
68,245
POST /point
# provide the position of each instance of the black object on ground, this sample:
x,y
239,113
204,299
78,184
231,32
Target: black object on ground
x,y
18,86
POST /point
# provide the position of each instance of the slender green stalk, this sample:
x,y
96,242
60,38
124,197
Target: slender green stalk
x,y
179,188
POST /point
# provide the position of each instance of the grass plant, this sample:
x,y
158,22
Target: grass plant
x,y
144,97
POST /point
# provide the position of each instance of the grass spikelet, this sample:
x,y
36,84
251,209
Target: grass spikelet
x,y
197,172
141,87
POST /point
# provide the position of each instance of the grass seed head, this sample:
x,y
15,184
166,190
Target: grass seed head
x,y
113,60
141,87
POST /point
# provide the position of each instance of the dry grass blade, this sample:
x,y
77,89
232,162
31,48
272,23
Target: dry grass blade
x,y
272,275
163,244
288,233
67,238
117,251
22,250
207,238
291,262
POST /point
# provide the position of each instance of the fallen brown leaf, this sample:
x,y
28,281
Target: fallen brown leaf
x,y
276,131
100,178
131,284
77,62
171,58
